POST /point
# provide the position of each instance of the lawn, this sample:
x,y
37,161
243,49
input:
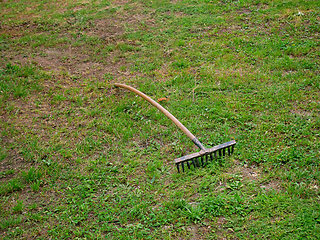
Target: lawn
x,y
82,159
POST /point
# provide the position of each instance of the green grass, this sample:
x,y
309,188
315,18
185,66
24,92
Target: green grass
x,y
82,159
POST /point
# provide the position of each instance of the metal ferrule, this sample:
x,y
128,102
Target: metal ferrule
x,y
198,144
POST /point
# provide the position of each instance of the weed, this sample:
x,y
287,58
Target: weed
x,y
10,222
19,206
35,186
7,172
31,175
3,154
11,186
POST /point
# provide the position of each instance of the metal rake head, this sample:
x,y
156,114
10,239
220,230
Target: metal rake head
x,y
204,156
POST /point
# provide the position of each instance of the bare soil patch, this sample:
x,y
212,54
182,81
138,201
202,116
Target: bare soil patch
x,y
272,185
106,29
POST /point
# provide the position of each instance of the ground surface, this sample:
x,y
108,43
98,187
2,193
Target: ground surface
x,y
82,159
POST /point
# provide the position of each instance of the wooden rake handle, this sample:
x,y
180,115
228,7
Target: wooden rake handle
x,y
162,109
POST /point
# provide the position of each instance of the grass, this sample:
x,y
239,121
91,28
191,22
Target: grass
x,y
82,159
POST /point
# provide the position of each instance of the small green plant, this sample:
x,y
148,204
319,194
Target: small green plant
x,y
33,206
10,222
31,175
123,47
180,64
11,186
7,172
19,206
123,68
35,217
35,186
108,76
234,182
3,154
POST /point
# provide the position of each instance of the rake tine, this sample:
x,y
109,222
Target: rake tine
x,y
207,159
232,147
220,153
194,165
197,162
178,167
182,164
202,161
224,151
188,164
229,151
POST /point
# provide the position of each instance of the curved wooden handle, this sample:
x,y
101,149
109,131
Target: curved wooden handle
x,y
162,109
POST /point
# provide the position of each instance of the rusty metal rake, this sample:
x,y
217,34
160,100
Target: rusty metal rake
x,y
195,159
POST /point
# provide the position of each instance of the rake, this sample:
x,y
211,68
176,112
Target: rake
x,y
195,159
